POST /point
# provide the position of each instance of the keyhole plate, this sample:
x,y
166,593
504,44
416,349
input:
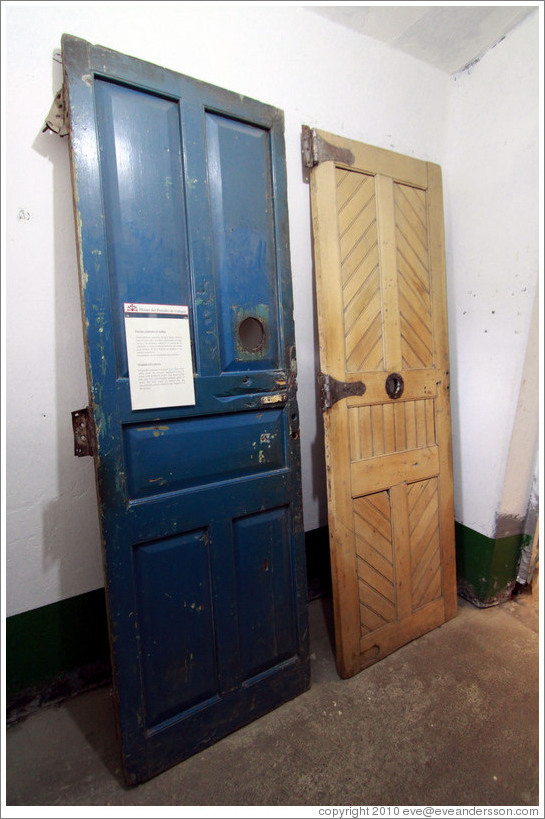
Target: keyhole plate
x,y
395,385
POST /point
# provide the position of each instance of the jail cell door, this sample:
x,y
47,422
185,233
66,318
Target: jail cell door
x,y
180,211
380,279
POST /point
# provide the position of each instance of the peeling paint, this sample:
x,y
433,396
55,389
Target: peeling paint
x,y
273,399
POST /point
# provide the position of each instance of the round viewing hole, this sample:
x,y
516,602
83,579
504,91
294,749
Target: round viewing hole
x,y
251,334
395,385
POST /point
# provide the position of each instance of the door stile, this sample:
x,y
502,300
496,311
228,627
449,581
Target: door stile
x,y
401,537
336,428
391,331
442,412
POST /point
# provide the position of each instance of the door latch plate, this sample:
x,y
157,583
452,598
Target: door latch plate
x,y
83,426
332,390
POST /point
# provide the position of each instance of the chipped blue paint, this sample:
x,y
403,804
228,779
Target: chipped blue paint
x,y
180,193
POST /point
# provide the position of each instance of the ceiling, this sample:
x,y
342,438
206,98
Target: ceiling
x,y
448,37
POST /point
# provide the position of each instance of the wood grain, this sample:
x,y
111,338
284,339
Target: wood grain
x,y
381,294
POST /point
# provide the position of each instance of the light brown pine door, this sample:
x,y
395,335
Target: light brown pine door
x,y
380,280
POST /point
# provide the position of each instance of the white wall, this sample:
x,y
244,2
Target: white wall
x,y
320,74
519,500
491,178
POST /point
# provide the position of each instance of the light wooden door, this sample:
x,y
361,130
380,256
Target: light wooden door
x,y
380,280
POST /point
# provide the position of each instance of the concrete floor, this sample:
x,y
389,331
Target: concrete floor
x,y
450,719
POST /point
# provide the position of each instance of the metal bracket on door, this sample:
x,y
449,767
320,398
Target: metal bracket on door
x,y
315,149
83,425
57,119
332,390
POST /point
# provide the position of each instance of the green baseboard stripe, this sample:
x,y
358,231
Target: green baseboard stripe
x,y
49,646
486,567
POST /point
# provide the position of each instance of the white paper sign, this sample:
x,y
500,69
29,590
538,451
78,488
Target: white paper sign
x,y
159,355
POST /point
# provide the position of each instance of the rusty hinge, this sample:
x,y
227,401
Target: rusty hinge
x,y
83,424
315,149
57,119
332,390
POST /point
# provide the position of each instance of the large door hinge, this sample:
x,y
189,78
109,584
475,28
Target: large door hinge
x,y
57,119
83,425
315,149
332,390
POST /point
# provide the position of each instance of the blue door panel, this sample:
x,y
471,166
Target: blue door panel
x,y
142,179
264,590
180,197
241,194
197,451
174,620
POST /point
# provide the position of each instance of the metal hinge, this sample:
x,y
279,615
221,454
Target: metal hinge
x,y
315,149
57,119
83,425
332,390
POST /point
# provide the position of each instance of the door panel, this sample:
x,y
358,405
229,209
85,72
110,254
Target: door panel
x,y
243,231
194,452
134,125
180,199
262,555
380,278
173,596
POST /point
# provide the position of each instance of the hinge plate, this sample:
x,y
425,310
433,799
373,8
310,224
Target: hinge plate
x,y
332,390
83,425
315,149
57,119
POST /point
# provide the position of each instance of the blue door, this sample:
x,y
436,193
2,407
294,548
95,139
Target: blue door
x,y
180,199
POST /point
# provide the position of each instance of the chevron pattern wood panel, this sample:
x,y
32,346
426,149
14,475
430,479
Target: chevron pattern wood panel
x,y
413,277
381,297
384,428
375,561
423,505
356,209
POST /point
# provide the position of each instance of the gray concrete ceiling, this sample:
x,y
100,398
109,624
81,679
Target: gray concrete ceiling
x,y
448,37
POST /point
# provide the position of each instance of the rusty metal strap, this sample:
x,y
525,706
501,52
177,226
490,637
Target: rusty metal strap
x,y
83,427
332,390
315,149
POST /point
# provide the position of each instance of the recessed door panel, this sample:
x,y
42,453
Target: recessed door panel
x,y
175,622
192,452
142,179
241,190
266,605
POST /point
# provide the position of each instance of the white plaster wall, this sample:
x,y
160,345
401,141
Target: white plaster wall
x,y
319,74
521,474
491,175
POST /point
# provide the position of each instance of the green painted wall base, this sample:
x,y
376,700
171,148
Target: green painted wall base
x,y
56,650
486,567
